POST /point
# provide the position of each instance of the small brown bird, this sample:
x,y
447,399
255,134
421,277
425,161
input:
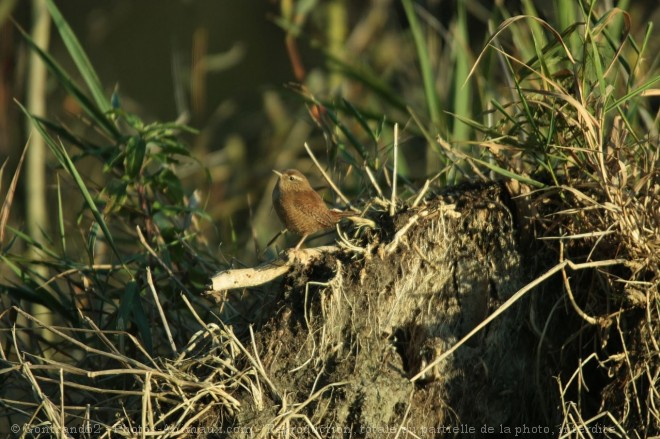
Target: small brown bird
x,y
300,208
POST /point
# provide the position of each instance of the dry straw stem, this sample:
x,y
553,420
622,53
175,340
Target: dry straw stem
x,y
447,209
520,293
152,287
9,198
422,193
395,169
258,365
89,268
90,350
572,422
160,261
374,183
405,417
192,311
255,361
327,177
508,22
166,386
345,243
285,417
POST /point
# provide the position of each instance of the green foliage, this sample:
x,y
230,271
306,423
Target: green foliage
x,y
428,75
533,88
79,57
136,206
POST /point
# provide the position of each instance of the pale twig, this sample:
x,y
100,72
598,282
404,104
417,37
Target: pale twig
x,y
160,261
395,169
425,189
256,364
192,310
389,249
327,177
288,415
569,292
511,301
246,277
84,347
81,270
374,183
422,193
405,415
166,326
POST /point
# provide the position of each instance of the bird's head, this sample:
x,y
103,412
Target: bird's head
x,y
292,180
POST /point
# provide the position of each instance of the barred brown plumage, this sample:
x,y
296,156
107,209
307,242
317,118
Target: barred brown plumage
x,y
300,208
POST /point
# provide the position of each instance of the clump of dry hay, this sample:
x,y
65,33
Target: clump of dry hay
x,y
608,348
108,394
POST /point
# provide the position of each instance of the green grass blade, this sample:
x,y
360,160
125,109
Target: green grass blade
x,y
509,174
566,13
64,134
90,108
641,51
361,120
60,153
142,322
21,293
60,216
647,85
79,57
538,39
432,100
461,89
91,242
369,79
30,241
359,147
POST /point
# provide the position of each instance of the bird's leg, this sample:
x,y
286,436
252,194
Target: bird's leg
x,y
301,241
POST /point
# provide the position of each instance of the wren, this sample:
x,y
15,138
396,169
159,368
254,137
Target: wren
x,y
300,208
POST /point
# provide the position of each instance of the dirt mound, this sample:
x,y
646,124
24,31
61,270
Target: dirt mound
x,y
350,334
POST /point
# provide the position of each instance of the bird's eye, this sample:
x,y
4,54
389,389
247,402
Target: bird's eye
x,y
291,177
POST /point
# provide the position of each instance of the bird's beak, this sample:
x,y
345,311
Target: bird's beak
x,y
279,174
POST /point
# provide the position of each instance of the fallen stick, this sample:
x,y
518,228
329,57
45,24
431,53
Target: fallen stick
x,y
251,277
